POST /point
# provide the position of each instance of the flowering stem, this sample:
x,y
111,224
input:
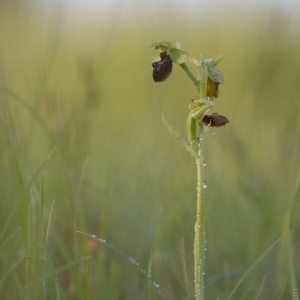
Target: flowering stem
x,y
195,127
199,241
203,79
188,71
198,143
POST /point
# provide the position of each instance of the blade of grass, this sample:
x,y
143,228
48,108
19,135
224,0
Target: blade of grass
x,y
252,267
130,259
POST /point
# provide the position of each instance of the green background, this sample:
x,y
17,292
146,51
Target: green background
x,y
83,148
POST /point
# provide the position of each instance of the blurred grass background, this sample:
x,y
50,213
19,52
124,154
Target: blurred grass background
x,y
83,148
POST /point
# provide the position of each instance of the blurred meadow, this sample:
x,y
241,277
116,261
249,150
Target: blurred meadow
x,y
83,148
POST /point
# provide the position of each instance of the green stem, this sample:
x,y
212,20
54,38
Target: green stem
x,y
188,71
203,79
197,145
199,242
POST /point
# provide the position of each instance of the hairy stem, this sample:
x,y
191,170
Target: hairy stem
x,y
199,241
188,71
203,79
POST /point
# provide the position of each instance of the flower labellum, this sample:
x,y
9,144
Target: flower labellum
x,y
162,69
215,120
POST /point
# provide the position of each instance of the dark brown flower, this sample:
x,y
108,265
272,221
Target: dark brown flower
x,y
215,120
163,68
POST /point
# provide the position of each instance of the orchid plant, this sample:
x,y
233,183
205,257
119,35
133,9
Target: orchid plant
x,y
206,80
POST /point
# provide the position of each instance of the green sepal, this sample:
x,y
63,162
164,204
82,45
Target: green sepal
x,y
178,55
176,135
194,61
176,52
162,45
199,108
214,73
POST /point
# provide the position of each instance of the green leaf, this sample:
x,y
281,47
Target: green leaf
x,y
191,132
176,135
252,267
130,259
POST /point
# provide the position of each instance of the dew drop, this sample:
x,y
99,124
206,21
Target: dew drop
x,y
132,260
93,236
204,164
204,185
155,284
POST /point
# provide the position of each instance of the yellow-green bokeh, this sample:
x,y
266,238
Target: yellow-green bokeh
x,y
81,86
